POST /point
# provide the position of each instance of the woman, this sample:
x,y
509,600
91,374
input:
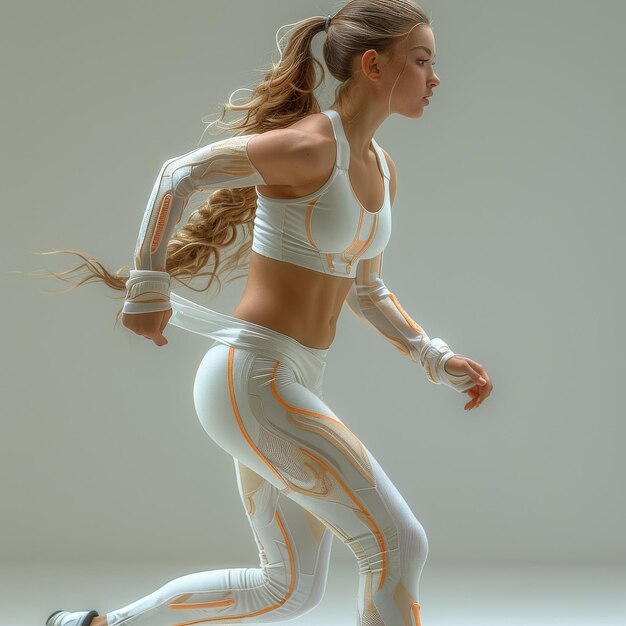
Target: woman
x,y
307,181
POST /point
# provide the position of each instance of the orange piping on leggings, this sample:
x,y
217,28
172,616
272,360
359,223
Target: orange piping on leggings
x,y
326,418
199,605
345,487
296,409
276,605
416,613
231,389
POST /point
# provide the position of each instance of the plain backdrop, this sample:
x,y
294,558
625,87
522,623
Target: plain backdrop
x,y
508,243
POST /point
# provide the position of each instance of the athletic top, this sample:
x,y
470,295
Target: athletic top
x,y
329,230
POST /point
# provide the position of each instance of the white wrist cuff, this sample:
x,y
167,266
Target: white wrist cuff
x,y
147,291
436,354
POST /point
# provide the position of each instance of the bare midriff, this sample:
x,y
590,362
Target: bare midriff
x,y
293,300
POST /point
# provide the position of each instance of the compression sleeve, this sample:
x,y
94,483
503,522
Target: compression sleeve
x,y
223,164
371,301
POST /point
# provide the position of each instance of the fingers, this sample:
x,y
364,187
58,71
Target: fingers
x,y
474,394
160,339
483,387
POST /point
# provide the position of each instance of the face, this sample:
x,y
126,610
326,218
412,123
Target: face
x,y
410,81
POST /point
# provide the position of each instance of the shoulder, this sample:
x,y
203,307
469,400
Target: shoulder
x,y
293,155
393,175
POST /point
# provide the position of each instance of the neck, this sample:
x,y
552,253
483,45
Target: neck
x,y
359,128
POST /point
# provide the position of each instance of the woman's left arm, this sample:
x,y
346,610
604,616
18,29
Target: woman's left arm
x,y
370,300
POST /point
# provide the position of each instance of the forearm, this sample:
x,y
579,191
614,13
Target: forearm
x,y
381,309
370,300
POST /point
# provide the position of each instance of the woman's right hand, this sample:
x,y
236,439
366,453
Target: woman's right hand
x,y
148,325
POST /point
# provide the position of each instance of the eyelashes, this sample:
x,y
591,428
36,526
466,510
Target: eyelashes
x,y
434,63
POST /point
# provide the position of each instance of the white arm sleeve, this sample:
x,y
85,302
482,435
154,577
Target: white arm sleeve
x,y
223,164
370,300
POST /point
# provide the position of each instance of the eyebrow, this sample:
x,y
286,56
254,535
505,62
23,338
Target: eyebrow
x,y
425,48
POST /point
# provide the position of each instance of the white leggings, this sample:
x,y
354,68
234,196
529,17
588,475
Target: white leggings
x,y
258,395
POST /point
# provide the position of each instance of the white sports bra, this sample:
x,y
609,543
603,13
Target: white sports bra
x,y
329,230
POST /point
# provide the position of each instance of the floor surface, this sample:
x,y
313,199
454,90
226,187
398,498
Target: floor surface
x,y
450,596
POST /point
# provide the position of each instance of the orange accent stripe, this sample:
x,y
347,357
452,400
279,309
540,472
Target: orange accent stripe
x,y
231,389
300,410
356,240
292,565
201,605
366,243
379,536
307,222
416,613
143,293
296,409
160,225
416,327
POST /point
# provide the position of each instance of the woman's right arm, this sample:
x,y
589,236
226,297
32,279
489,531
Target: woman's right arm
x,y
223,164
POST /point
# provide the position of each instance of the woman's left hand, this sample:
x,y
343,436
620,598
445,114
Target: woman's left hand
x,y
458,366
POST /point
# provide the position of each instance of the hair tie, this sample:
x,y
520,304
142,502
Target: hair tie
x,y
327,23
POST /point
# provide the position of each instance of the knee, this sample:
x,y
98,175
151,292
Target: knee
x,y
305,605
411,539
415,539
304,598
422,538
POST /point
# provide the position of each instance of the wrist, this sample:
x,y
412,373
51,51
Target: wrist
x,y
147,291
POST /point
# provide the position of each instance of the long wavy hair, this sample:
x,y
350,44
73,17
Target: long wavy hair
x,y
284,95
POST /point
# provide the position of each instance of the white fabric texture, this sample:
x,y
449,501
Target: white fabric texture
x,y
258,395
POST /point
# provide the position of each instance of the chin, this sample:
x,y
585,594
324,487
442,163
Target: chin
x,y
413,113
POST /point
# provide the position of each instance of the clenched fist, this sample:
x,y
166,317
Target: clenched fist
x,y
148,325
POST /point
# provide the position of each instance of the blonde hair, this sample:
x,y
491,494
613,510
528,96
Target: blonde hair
x,y
283,96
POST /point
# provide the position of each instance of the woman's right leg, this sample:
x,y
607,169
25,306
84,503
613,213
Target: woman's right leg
x,y
294,552
263,412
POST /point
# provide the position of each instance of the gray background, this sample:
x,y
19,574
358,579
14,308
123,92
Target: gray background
x,y
507,222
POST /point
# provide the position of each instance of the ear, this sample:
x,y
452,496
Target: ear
x,y
370,65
